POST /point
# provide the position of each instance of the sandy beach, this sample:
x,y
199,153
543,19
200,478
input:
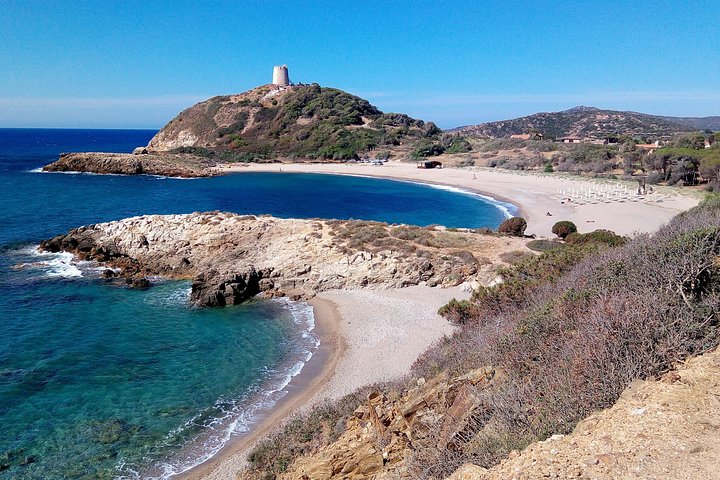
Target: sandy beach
x,y
358,346
535,194
370,336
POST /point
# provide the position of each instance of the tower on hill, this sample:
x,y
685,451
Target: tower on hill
x,y
280,76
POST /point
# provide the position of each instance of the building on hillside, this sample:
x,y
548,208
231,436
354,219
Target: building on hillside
x,y
569,140
521,136
611,140
648,147
280,76
429,164
528,136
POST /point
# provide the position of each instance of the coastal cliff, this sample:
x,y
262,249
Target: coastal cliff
x,y
263,124
166,164
233,257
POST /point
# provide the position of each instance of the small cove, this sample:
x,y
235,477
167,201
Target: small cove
x,y
97,380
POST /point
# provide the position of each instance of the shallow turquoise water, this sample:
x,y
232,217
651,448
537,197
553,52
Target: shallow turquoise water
x,y
98,380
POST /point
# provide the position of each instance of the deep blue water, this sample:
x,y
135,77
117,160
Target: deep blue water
x,y
100,381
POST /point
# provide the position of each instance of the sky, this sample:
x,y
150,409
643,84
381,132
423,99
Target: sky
x,y
136,64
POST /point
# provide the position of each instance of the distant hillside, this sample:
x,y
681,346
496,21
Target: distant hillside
x,y
590,122
304,121
697,123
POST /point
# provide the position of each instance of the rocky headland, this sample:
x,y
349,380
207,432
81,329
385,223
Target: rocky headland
x,y
233,257
165,164
263,124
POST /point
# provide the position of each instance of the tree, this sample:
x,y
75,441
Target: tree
x,y
564,228
514,226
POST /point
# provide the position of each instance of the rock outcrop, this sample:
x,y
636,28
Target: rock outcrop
x,y
166,164
233,257
383,433
667,428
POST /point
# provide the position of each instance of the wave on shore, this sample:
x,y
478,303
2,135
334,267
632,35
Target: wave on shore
x,y
229,418
508,209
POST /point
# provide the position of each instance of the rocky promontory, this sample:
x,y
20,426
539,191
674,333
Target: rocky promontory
x,y
166,164
233,257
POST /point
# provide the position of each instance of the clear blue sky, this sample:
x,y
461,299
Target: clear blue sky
x,y
136,64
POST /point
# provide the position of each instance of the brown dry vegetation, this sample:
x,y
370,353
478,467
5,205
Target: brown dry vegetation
x,y
567,331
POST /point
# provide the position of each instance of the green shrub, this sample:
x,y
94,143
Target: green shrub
x,y
544,245
564,228
514,226
458,311
426,148
459,145
600,236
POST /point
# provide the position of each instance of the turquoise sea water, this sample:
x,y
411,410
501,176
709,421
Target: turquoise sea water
x,y
101,381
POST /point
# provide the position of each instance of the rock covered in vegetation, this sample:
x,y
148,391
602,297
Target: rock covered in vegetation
x,y
514,226
232,257
563,228
300,121
165,164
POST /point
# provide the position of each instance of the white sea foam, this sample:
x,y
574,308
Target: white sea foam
x,y
238,416
54,265
507,208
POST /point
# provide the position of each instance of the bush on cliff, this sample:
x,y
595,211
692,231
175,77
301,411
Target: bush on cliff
x,y
600,236
514,226
569,342
568,330
564,228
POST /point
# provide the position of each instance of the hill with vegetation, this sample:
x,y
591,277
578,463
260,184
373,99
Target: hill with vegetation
x,y
591,122
560,337
299,121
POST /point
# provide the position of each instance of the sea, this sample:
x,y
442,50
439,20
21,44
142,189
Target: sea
x,y
101,381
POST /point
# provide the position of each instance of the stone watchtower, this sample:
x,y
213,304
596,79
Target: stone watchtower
x,y
280,76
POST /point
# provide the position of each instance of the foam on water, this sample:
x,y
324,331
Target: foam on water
x,y
54,265
508,209
237,416
73,172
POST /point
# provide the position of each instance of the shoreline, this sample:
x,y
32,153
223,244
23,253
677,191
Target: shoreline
x,y
355,350
534,195
301,390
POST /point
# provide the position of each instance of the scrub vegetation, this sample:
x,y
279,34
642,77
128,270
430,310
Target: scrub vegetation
x,y
566,331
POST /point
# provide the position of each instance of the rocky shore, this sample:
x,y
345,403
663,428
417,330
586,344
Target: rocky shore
x,y
165,164
233,257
